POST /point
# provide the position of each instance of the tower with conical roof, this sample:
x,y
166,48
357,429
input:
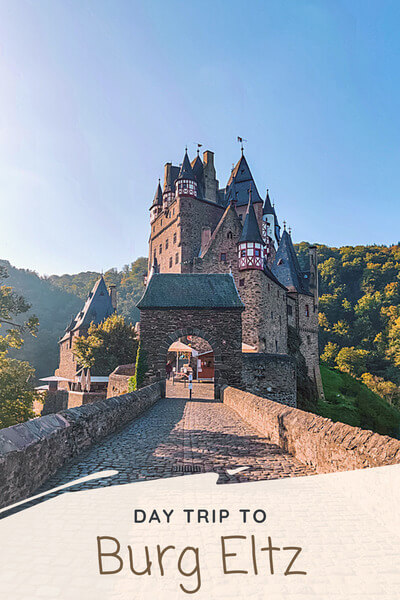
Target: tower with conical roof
x,y
251,244
186,184
157,205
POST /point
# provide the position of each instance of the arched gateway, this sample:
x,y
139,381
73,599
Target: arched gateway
x,y
203,305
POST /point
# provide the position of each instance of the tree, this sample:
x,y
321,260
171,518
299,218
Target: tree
x,y
136,382
107,345
352,360
16,378
12,305
17,393
330,353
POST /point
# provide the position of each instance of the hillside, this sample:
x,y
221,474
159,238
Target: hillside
x,y
53,307
360,312
350,401
56,299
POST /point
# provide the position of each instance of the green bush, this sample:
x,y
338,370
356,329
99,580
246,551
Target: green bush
x,y
137,380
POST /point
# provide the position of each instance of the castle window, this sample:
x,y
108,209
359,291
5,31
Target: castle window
x,y
243,252
269,287
240,217
289,310
160,249
307,310
276,345
223,257
176,258
229,236
166,244
170,262
272,314
280,320
241,282
174,238
309,339
161,223
257,252
278,293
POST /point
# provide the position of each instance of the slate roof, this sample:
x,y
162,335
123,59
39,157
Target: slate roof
x,y
202,291
251,230
287,269
171,176
198,170
186,171
97,308
158,196
242,177
267,208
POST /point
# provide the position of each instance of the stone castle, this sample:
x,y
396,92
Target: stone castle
x,y
199,228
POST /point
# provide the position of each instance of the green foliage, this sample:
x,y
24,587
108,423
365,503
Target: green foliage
x,y
12,306
136,382
106,346
16,391
359,308
349,401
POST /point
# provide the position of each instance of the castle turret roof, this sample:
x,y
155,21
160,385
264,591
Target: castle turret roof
x,y
198,171
186,171
267,208
287,269
97,308
243,179
158,197
251,230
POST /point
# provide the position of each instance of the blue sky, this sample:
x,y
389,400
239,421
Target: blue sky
x,y
96,96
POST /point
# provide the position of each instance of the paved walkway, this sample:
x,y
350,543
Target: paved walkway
x,y
177,436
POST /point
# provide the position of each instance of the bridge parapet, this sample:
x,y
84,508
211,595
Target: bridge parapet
x,y
313,440
33,451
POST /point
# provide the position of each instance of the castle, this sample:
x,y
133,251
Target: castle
x,y
198,227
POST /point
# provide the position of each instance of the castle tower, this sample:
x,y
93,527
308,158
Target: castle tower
x,y
268,230
186,184
287,269
157,205
251,244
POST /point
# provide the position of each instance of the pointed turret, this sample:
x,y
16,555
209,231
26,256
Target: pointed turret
x,y
186,184
286,267
267,208
250,245
198,171
157,205
243,179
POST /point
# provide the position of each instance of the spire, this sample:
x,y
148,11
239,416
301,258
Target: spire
x,y
243,178
267,208
286,266
186,171
251,231
158,196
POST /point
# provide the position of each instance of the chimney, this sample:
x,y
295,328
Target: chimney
x,y
167,170
113,295
208,158
210,177
205,237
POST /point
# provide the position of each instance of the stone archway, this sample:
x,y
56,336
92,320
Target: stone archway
x,y
207,306
193,331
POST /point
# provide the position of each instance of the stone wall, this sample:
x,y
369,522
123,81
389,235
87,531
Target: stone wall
x,y
118,381
54,402
81,398
31,452
270,375
312,439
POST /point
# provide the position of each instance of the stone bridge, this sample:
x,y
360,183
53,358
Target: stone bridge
x,y
145,436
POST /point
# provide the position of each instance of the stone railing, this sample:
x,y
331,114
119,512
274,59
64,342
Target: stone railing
x,y
31,452
312,439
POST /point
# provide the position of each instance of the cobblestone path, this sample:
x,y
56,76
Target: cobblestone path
x,y
177,436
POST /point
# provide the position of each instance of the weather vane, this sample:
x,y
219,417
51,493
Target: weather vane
x,y
241,141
